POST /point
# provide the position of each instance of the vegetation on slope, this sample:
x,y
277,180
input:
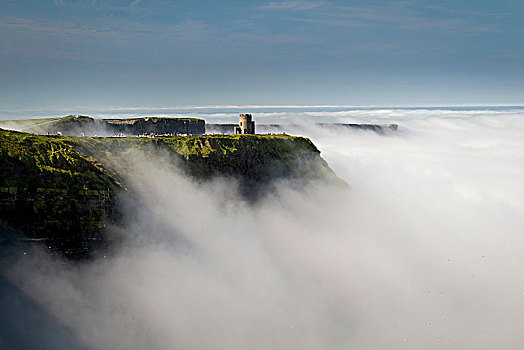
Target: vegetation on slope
x,y
32,161
254,160
50,192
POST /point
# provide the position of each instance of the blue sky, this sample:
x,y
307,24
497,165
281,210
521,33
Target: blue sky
x,y
169,53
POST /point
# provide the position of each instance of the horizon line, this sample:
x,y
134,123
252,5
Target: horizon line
x,y
197,107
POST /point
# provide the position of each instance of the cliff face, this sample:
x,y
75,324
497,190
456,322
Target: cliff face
x,y
256,161
49,190
76,125
62,189
189,126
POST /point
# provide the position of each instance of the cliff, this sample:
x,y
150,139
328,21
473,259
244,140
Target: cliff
x,y
254,160
383,129
76,125
62,189
49,190
137,126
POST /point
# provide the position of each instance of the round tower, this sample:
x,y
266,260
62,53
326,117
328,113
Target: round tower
x,y
246,124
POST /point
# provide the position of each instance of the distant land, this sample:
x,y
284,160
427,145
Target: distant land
x,y
278,128
78,125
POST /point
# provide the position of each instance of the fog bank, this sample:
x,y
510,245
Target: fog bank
x,y
425,252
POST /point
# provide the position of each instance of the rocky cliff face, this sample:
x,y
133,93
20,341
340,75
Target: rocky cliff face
x,y
137,126
254,160
62,189
49,190
77,125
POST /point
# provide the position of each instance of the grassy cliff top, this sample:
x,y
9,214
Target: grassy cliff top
x,y
29,160
227,144
203,145
255,159
33,161
47,149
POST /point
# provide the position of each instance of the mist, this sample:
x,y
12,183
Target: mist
x,y
42,127
425,252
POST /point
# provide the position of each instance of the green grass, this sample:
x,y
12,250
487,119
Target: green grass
x,y
97,162
33,161
203,145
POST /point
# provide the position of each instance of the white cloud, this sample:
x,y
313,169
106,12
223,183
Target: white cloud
x,y
134,5
68,39
425,252
112,5
292,5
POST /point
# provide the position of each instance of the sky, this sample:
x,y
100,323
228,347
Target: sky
x,y
157,53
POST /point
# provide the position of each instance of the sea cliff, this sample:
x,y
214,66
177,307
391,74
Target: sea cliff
x,y
62,190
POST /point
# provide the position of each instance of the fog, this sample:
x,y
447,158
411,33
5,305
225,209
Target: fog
x,y
425,252
46,127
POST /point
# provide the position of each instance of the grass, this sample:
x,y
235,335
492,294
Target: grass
x,y
90,163
203,145
34,161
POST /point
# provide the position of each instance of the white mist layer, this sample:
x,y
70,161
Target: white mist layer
x,y
425,252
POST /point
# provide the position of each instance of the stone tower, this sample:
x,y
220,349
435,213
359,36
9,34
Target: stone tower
x,y
246,125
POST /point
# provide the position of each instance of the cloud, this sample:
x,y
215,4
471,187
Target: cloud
x,y
111,5
133,6
400,14
60,3
69,39
292,5
55,28
425,252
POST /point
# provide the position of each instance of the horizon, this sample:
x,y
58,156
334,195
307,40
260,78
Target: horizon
x,y
76,110
203,111
284,115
